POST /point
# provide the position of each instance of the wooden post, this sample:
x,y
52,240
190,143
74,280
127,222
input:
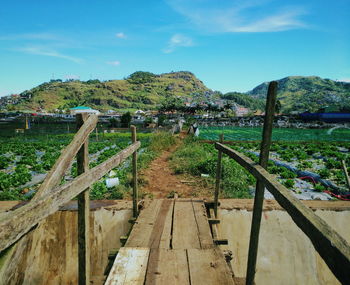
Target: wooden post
x,y
346,173
96,134
218,179
134,174
83,212
259,192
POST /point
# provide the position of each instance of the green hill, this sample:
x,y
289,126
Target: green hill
x,y
298,93
142,90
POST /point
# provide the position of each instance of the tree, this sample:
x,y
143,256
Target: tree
x,y
125,120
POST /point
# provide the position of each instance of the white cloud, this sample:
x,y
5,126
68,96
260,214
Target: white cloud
x,y
30,36
120,35
176,41
115,62
72,77
237,16
347,80
48,52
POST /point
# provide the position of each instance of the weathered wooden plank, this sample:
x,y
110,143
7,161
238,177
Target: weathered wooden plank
x,y
162,236
218,179
83,211
141,233
259,190
129,268
166,266
208,266
55,175
185,231
204,233
334,249
14,225
134,174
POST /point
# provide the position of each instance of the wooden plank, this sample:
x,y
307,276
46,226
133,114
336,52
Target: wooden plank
x,y
333,248
345,170
63,162
129,268
208,266
17,223
134,174
203,227
185,231
167,266
218,178
83,211
260,188
167,213
141,233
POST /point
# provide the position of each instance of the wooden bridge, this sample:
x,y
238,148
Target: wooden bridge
x,y
172,242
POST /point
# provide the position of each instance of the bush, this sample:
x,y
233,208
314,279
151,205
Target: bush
x,y
324,173
289,183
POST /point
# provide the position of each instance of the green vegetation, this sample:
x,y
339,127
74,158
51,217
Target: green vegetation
x,y
196,158
245,100
283,134
23,160
298,93
141,90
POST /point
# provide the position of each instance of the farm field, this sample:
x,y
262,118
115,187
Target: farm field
x,y
311,154
281,134
25,160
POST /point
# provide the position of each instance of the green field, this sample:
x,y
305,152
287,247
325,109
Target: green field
x,y
282,134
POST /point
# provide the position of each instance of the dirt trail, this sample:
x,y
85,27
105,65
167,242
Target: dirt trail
x,y
162,182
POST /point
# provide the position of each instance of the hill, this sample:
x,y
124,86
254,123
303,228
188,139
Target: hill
x,y
140,90
298,93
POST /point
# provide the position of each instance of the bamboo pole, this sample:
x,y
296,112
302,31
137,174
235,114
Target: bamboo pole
x,y
134,174
83,212
218,178
259,192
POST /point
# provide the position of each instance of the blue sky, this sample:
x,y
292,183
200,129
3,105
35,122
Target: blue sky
x,y
230,45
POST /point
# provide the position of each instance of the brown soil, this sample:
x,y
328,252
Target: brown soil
x,y
161,181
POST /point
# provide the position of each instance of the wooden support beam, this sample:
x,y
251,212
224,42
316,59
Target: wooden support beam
x,y
218,178
83,211
347,179
220,241
333,248
259,192
54,177
213,221
17,223
134,174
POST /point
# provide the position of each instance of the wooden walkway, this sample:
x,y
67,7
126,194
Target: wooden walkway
x,y
171,243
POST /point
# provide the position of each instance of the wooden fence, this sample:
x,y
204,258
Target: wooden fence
x,y
51,195
334,249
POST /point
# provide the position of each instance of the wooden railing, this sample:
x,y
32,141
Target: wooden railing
x,y
334,249
51,195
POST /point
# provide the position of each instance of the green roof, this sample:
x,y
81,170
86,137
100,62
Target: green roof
x,y
80,108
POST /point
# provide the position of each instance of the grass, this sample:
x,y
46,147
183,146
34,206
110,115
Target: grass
x,y
194,158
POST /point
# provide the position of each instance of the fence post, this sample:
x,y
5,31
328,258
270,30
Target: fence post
x,y
83,211
218,178
259,192
134,174
346,173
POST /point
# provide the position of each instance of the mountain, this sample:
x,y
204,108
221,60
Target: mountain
x,y
140,90
145,90
298,93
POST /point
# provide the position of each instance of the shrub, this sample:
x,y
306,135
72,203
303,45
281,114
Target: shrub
x,y
289,183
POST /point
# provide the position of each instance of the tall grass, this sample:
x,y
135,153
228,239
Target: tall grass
x,y
196,158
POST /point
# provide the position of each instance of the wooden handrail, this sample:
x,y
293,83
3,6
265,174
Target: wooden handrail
x,y
65,159
17,223
333,248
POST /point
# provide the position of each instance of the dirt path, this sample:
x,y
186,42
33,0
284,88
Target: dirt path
x,y
162,182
